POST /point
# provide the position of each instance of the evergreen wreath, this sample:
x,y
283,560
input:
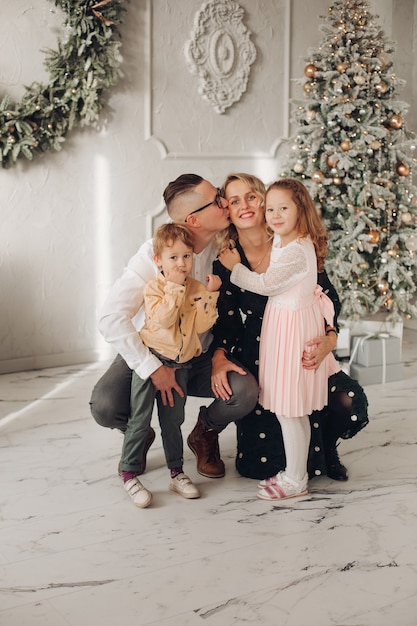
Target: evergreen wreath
x,y
85,64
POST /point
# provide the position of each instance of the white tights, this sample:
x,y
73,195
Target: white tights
x,y
296,433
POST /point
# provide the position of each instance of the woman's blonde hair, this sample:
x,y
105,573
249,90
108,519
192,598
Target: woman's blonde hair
x,y
257,186
309,222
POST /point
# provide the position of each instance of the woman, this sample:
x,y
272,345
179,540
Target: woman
x,y
237,332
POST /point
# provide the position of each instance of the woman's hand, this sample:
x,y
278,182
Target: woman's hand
x,y
229,258
317,349
220,366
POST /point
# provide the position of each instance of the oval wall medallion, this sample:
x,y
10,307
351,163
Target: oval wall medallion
x,y
220,53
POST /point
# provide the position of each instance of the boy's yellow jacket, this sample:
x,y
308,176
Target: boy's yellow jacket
x,y
175,314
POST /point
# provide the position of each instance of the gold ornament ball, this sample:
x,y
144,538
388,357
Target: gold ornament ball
x,y
381,87
395,121
332,160
383,58
337,180
310,70
383,286
373,236
341,67
389,302
375,145
411,243
317,176
298,168
406,217
402,169
345,145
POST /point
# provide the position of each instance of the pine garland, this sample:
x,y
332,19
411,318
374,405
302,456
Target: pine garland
x,y
81,69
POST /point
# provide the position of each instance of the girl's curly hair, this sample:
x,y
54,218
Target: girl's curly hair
x,y
310,222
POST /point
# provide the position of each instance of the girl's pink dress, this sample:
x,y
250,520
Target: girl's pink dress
x,y
294,314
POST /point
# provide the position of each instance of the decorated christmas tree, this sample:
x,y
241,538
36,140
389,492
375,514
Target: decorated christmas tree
x,y
353,151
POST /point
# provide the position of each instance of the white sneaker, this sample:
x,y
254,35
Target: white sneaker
x,y
182,484
284,488
141,497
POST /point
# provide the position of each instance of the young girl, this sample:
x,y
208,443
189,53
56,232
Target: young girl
x,y
177,309
294,314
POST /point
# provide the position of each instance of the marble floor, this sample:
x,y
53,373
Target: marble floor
x,y
75,551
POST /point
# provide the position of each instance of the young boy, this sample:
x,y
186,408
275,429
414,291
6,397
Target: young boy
x,y
177,309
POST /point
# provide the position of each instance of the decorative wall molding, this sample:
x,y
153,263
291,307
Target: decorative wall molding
x,y
170,151
220,53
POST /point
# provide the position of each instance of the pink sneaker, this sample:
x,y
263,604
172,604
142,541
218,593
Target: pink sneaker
x,y
283,488
270,481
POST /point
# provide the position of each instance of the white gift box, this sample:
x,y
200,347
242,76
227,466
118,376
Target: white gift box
x,y
377,373
343,343
373,326
372,350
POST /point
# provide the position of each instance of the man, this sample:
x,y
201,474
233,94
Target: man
x,y
192,201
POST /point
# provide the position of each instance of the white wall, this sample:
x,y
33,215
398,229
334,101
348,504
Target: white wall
x,y
71,220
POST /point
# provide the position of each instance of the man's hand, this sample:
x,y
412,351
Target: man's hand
x,y
317,349
163,380
220,367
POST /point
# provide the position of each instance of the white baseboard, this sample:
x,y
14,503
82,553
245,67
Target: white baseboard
x,y
51,360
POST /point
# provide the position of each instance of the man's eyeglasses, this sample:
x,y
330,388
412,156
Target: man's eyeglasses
x,y
217,200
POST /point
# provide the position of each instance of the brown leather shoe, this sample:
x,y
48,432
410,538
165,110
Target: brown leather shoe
x,y
150,438
205,445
